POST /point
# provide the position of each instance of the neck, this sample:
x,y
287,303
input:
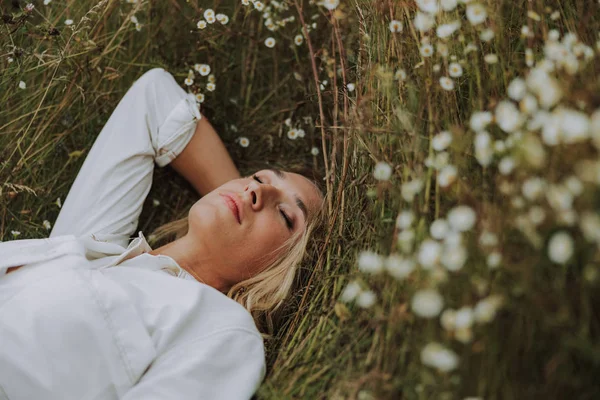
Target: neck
x,y
189,257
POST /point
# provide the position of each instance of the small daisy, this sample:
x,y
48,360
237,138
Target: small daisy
x,y
22,85
212,79
244,141
210,19
46,2
68,22
202,69
383,171
209,13
400,75
58,202
314,151
222,18
426,50
427,303
491,58
476,13
423,22
395,26
189,81
15,233
351,87
211,86
560,247
200,97
292,134
486,35
201,24
446,83
259,6
331,4
298,39
455,70
245,2
270,42
370,262
47,224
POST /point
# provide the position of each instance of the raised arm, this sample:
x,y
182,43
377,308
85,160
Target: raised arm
x,y
205,162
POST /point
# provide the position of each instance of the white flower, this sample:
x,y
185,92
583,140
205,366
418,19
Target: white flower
x,y
544,86
298,40
47,224
209,13
301,132
528,104
314,151
222,18
439,228
405,240
155,202
46,2
202,69
211,87
405,219
22,85
437,68
259,5
590,226
211,78
448,5
270,42
383,171
486,35
15,233
429,6
508,117
331,4
448,319
427,303
395,26
476,14
447,176
246,2
454,257
189,81
200,97
455,70
485,309
533,188
490,58
464,318
494,259
462,218
529,57
561,247
201,24
559,197
351,87
439,357
426,50
483,149
446,83
429,254
446,30
370,262
441,141
410,189
575,125
517,89
244,141
488,239
423,22
350,292
366,299
398,266
68,22
480,120
58,202
292,134
574,185
536,215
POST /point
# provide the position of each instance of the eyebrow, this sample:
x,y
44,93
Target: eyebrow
x,y
278,173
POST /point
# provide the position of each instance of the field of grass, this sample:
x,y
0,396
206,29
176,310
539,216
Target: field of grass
x,y
460,257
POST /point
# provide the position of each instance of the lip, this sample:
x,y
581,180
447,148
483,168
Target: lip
x,y
234,206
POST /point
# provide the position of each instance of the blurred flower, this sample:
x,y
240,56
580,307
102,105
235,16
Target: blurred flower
x,y
446,83
270,42
476,13
405,219
15,233
426,50
427,303
508,117
201,24
529,57
429,254
448,5
486,35
211,78
462,218
429,6
454,257
398,266
189,81
202,69
209,13
446,30
410,189
528,104
405,240
370,262
155,202
423,22
560,247
58,202
483,149
351,87
298,39
292,134
441,141
68,22
455,70
485,310
331,4
22,85
47,224
211,86
246,2
366,299
46,2
517,89
244,141
222,18
490,58
493,260
383,171
533,188
448,319
314,151
395,26
447,176
439,357
350,292
480,120
200,97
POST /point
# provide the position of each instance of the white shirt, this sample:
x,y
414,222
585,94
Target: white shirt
x,y
88,319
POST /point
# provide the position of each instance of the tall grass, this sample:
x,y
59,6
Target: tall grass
x,y
543,340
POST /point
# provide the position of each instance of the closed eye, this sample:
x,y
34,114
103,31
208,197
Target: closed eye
x,y
287,219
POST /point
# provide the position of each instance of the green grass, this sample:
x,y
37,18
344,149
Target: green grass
x,y
544,342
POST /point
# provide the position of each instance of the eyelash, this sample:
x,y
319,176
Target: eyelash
x,y
288,221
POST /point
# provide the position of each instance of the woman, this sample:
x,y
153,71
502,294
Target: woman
x,y
85,315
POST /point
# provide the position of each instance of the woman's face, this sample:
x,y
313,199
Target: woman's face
x,y
240,225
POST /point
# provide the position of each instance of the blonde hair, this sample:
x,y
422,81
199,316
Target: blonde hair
x,y
267,291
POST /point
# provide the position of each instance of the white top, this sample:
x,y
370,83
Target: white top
x,y
88,319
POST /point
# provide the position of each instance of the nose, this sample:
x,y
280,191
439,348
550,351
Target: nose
x,y
259,194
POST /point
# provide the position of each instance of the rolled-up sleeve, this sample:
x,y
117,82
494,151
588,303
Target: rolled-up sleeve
x,y
229,364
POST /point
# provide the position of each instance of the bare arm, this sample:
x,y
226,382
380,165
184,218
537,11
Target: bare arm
x,y
205,162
